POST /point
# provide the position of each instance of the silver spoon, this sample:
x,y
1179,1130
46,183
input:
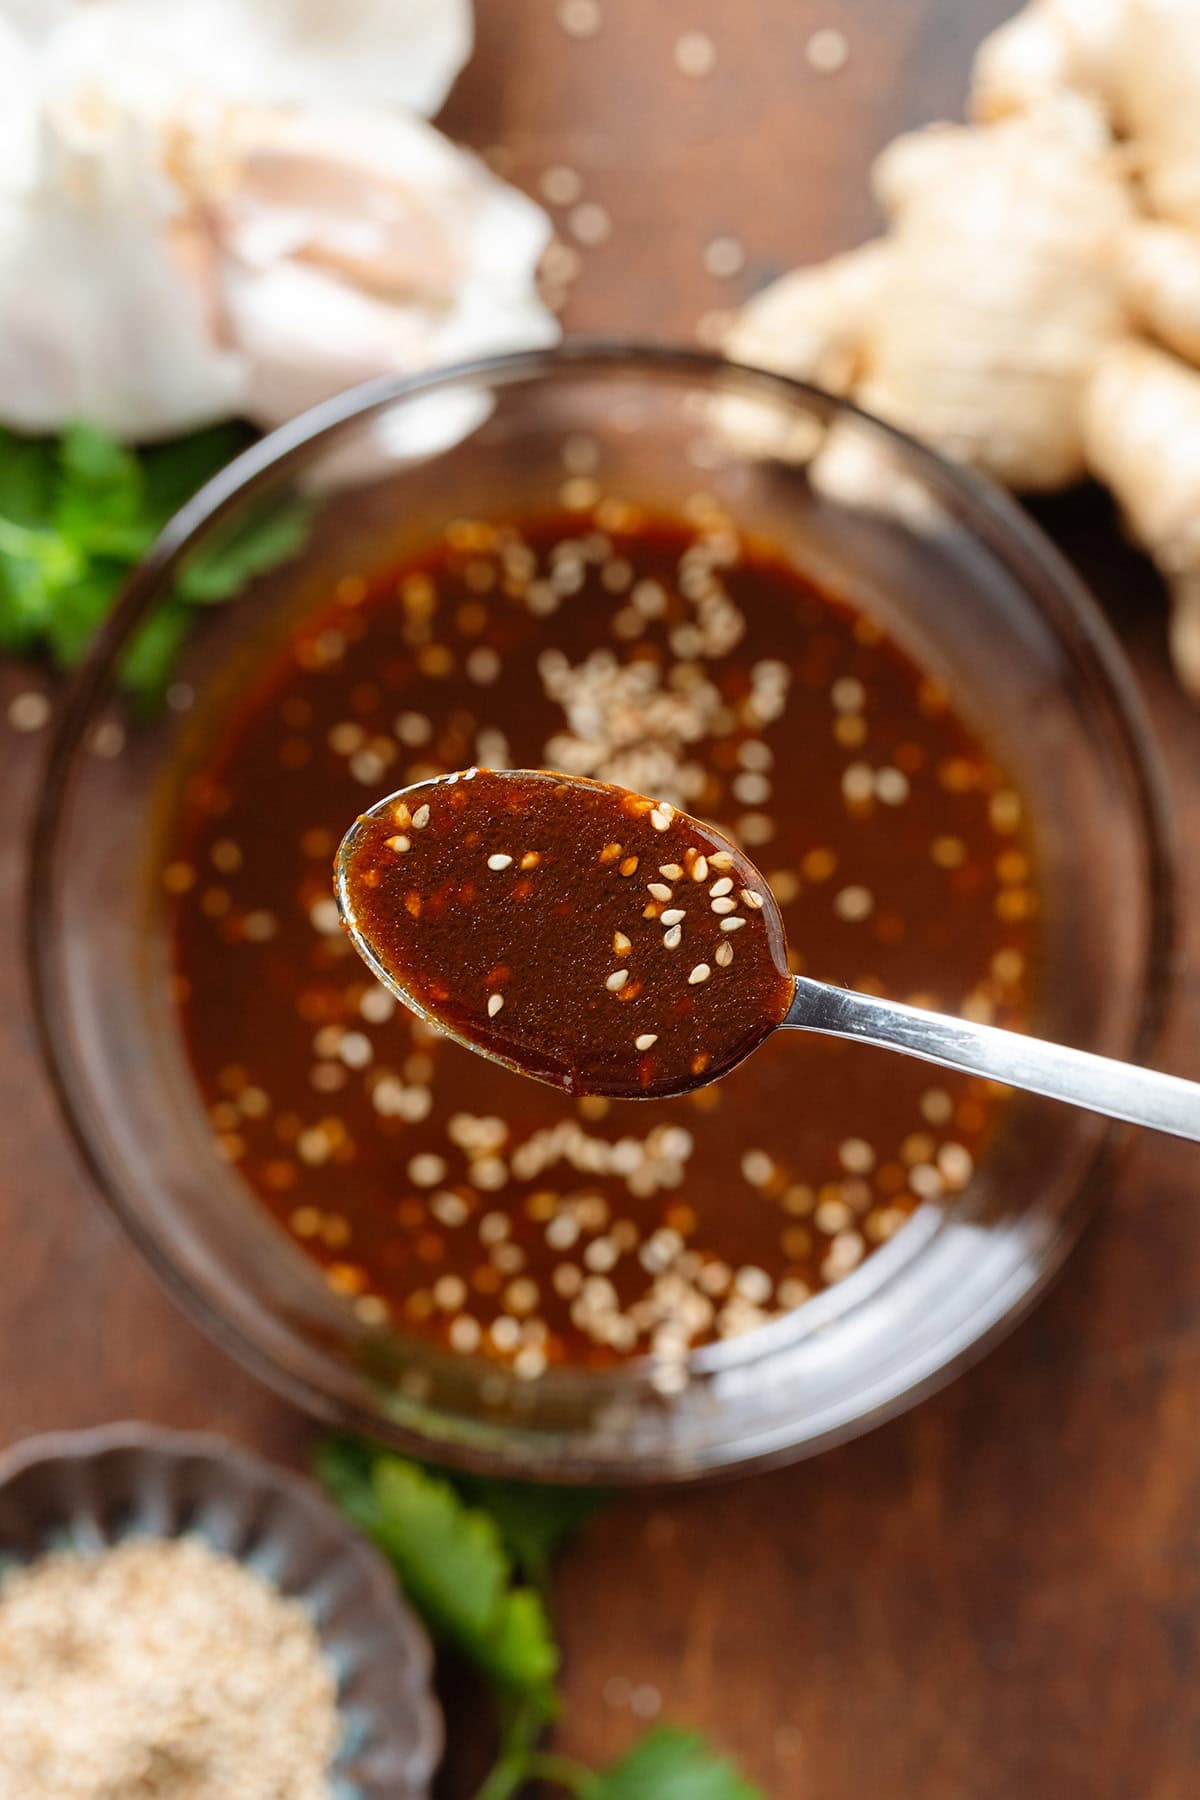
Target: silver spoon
x,y
464,833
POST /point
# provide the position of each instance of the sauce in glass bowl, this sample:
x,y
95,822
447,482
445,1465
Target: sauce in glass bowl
x,y
452,1197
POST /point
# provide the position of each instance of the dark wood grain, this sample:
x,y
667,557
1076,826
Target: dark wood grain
x,y
997,1596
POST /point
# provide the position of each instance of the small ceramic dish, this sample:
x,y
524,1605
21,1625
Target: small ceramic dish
x,y
85,1490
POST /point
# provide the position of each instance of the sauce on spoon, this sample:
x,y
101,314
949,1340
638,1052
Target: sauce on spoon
x,y
596,939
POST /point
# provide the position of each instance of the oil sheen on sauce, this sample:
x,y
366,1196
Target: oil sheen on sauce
x,y
596,939
452,1197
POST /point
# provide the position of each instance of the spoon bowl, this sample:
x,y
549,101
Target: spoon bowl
x,y
593,938
608,943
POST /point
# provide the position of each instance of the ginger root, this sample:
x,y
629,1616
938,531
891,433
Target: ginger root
x,y
1142,436
1032,261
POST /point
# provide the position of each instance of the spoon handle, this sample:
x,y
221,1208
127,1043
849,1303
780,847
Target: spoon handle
x,y
1118,1090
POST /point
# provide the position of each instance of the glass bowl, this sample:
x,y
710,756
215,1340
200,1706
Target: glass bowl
x,y
953,569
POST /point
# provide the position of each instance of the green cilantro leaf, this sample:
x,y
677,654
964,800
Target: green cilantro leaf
x,y
173,471
452,1562
27,473
669,1764
257,543
100,501
78,511
535,1521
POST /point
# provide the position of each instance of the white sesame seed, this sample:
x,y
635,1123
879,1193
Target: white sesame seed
x,y
562,1232
891,786
589,222
28,711
483,665
858,783
324,916
661,818
616,981
345,738
499,861
504,1332
724,906
464,1334
672,871
721,859
580,18
377,1005
756,828
753,899
108,738
659,890
827,51
695,54
723,955
854,904
701,972
645,1701
673,915
700,869
673,938
724,257
495,1002
753,1284
621,944
420,818
646,1040
721,887
856,1155
488,1173
355,1049
732,924
449,1292
937,1106
561,186
399,844
413,729
448,1209
925,1181
956,1164
426,1169
757,1167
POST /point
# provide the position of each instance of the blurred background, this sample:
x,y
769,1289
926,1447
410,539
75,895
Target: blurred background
x,y
997,1595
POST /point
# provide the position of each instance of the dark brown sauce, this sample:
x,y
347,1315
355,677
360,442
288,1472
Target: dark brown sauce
x,y
591,937
452,1196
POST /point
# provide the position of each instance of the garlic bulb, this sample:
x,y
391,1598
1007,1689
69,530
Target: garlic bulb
x,y
388,53
239,227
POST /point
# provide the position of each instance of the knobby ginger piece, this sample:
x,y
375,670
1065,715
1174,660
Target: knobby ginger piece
x,y
1160,267
1140,59
1157,103
815,324
1052,47
976,323
1142,431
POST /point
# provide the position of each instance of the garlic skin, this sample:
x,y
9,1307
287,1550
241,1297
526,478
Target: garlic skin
x,y
352,247
175,254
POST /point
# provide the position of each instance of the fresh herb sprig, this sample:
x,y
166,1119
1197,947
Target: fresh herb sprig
x,y
78,511
473,1556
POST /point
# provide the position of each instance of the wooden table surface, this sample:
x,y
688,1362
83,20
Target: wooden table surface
x,y
997,1596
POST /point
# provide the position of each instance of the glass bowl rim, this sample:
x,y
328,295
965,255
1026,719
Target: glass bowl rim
x,y
979,502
